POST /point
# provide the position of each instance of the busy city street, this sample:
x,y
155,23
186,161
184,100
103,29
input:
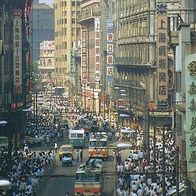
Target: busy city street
x,y
97,98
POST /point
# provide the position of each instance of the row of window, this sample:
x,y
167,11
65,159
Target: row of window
x,y
136,28
63,45
60,70
64,21
135,54
64,13
64,32
64,4
62,58
134,4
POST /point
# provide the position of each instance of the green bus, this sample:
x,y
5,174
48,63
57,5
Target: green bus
x,y
78,138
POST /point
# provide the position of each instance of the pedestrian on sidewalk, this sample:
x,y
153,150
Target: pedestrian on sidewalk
x,y
55,147
81,155
77,156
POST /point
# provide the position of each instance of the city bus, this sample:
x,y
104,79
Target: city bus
x,y
98,145
77,138
88,179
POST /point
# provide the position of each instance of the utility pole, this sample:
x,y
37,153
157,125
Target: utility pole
x,y
177,171
154,143
36,110
163,180
146,128
93,98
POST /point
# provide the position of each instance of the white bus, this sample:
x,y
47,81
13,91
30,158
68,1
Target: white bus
x,y
77,138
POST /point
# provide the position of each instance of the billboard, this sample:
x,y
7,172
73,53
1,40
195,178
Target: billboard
x,y
17,51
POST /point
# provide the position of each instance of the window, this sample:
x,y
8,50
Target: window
x,y
73,3
80,135
73,135
162,37
73,20
64,45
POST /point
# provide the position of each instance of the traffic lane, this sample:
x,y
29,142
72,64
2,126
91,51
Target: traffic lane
x,y
63,178
109,179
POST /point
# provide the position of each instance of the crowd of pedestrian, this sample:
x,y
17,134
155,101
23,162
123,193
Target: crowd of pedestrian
x,y
24,170
141,173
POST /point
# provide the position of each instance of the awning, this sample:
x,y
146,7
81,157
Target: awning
x,y
3,122
124,115
123,145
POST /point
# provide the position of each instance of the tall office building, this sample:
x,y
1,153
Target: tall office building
x,y
66,29
42,18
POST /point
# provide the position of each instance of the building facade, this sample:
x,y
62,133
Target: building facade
x,y
66,29
144,58
90,37
15,68
42,22
46,62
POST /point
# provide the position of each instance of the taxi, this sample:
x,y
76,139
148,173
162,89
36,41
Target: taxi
x,y
64,150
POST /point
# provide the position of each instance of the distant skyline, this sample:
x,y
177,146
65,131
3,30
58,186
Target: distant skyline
x,y
46,1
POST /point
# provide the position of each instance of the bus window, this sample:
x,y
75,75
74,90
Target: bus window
x,y
80,177
92,143
80,135
73,135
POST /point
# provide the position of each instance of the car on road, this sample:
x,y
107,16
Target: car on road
x,y
67,159
64,150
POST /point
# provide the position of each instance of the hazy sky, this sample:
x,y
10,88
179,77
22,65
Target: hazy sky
x,y
46,1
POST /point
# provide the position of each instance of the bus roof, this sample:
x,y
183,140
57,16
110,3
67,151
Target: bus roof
x,y
76,131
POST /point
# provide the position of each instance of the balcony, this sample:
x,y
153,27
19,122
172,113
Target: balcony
x,y
88,15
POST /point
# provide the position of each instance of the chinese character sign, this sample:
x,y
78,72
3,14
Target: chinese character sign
x,y
84,62
97,50
162,57
110,50
17,51
190,126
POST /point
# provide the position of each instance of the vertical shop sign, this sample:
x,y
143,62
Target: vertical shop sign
x,y
190,127
17,51
162,53
110,50
84,66
97,51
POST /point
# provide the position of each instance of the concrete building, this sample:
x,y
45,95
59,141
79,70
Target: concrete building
x,y
46,62
66,29
184,124
144,59
90,22
42,18
15,68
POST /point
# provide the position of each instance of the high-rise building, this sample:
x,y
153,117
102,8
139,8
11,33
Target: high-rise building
x,y
66,29
42,18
